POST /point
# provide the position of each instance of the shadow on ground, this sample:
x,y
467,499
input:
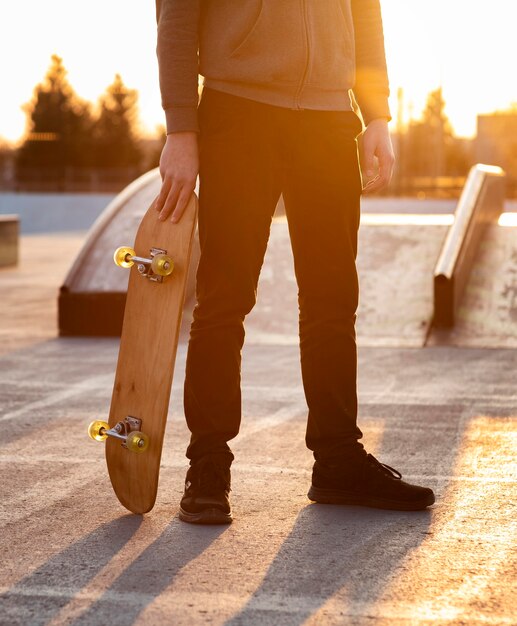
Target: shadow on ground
x,y
150,574
309,570
93,551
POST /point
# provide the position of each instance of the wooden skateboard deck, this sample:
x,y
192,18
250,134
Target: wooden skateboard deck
x,y
146,358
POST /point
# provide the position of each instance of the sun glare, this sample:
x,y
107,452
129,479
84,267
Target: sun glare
x,y
103,39
508,219
460,45
406,219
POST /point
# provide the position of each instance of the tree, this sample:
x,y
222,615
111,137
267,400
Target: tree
x,y
429,139
434,112
6,162
116,142
153,148
58,127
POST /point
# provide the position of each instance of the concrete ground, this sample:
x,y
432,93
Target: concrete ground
x,y
443,415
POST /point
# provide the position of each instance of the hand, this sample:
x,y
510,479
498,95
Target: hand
x,y
179,167
377,145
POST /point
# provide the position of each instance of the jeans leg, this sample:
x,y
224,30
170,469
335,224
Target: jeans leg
x,y
239,190
322,197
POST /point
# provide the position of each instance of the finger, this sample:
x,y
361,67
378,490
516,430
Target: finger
x,y
170,202
378,183
386,165
162,196
384,177
373,185
369,159
182,203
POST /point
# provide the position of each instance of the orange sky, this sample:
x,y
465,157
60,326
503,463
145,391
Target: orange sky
x,y
468,47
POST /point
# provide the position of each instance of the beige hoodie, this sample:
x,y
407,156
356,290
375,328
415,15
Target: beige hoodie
x,y
299,54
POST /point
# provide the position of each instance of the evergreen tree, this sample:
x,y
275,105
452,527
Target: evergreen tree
x,y
434,112
58,126
451,156
116,142
155,148
428,138
6,162
430,148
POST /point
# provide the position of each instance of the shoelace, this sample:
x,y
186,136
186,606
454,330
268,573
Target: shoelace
x,y
212,477
382,467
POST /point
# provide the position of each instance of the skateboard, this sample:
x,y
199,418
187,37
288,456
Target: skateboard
x,y
135,429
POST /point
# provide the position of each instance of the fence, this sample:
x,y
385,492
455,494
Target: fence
x,y
71,179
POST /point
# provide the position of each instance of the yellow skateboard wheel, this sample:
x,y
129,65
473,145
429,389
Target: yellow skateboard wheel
x,y
121,256
162,265
96,430
137,441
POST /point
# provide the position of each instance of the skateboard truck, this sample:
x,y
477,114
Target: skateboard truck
x,y
127,430
155,268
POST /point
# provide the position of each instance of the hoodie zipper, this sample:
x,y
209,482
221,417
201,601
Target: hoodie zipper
x,y
307,56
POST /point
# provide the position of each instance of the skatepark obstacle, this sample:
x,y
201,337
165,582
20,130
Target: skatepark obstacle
x,y
480,204
93,295
9,235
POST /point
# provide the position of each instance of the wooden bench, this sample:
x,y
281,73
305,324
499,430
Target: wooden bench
x,y
9,235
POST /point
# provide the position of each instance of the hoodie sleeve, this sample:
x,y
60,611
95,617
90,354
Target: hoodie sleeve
x,y
178,63
371,89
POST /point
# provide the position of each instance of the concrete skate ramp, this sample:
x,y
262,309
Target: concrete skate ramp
x,y
480,205
93,295
397,254
487,315
396,260
475,279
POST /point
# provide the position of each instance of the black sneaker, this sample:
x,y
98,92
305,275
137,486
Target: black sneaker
x,y
207,489
366,482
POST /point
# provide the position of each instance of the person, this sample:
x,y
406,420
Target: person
x,y
277,115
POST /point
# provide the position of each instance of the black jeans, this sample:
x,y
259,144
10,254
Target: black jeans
x,y
250,153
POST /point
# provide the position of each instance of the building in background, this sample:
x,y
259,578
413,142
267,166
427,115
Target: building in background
x,y
496,143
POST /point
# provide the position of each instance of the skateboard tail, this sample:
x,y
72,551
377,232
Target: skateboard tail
x,y
138,509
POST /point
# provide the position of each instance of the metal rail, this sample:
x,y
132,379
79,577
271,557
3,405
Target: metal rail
x,y
480,204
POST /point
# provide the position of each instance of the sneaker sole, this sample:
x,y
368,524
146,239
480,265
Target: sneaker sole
x,y
334,496
207,516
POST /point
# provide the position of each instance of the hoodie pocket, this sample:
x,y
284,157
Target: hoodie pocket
x,y
332,39
272,49
248,35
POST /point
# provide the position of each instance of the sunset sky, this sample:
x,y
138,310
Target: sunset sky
x,y
467,47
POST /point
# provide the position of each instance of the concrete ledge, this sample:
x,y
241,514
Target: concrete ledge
x,y
480,204
91,314
9,236
93,295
